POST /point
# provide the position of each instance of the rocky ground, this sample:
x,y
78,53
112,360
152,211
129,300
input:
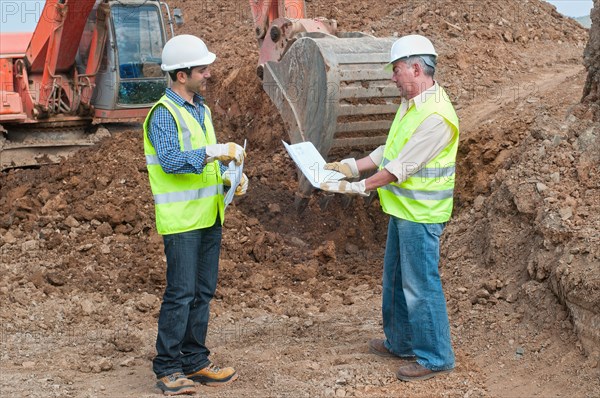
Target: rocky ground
x,y
82,268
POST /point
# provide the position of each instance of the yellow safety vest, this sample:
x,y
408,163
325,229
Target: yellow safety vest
x,y
427,195
185,202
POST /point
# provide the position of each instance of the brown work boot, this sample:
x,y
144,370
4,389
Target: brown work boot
x,y
214,376
377,347
414,372
176,384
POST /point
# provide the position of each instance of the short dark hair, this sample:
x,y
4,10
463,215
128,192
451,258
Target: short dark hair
x,y
173,73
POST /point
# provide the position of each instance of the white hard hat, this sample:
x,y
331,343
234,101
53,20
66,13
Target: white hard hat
x,y
185,51
408,46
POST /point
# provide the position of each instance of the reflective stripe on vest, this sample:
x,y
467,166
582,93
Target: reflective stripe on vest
x,y
185,130
419,195
185,202
152,160
435,172
427,195
185,196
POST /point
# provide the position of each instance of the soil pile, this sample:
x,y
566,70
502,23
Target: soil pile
x,y
82,268
592,62
482,44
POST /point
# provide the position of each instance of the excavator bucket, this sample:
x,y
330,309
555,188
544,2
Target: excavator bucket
x,y
334,92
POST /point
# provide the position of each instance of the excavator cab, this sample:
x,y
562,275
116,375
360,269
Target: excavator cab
x,y
131,63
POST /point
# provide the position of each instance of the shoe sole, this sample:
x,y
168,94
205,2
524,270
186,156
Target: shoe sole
x,y
427,376
181,391
213,383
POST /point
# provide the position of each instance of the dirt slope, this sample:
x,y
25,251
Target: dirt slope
x,y
591,91
82,269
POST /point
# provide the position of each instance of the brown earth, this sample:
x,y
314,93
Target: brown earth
x,y
82,269
591,91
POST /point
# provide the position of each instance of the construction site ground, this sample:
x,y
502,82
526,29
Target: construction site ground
x,y
82,269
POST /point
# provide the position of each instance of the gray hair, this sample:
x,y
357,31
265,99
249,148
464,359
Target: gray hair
x,y
426,62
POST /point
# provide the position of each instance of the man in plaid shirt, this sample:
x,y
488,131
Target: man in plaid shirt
x,y
187,172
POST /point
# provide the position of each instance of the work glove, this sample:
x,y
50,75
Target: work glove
x,y
241,188
225,153
345,187
347,167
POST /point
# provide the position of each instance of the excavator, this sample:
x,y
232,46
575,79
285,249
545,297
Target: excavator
x,y
329,86
97,60
87,62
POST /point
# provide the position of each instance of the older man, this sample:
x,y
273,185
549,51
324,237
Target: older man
x,y
415,182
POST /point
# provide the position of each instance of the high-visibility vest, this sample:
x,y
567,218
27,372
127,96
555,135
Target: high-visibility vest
x,y
427,195
185,202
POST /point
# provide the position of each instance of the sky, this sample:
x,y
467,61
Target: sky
x,y
22,15
19,15
573,8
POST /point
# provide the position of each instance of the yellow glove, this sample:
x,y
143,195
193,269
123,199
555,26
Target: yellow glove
x,y
225,153
241,188
345,187
347,167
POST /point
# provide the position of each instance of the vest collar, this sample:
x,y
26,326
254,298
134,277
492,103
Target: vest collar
x,y
420,99
178,99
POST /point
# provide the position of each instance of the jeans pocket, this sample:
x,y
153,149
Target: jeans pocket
x,y
435,229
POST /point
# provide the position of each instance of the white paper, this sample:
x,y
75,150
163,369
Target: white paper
x,y
235,176
311,163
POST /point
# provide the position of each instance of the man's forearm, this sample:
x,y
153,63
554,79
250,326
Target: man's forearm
x,y
365,164
378,180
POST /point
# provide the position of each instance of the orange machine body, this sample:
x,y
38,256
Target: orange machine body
x,y
73,66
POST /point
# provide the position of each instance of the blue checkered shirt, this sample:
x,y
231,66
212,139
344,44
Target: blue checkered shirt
x,y
164,137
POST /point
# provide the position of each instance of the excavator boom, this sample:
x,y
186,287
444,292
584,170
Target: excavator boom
x,y
58,33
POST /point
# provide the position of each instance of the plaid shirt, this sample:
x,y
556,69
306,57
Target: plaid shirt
x,y
163,135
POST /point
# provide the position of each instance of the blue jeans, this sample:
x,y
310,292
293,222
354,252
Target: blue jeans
x,y
192,268
415,321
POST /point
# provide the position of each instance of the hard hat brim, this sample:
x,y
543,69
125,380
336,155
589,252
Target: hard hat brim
x,y
390,66
206,60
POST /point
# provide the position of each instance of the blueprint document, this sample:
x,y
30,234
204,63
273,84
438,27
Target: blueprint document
x,y
311,163
235,175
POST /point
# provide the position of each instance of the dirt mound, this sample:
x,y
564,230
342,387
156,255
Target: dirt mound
x,y
533,207
82,268
103,215
482,44
591,91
